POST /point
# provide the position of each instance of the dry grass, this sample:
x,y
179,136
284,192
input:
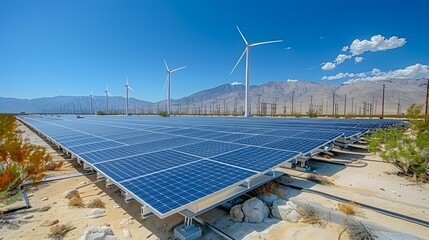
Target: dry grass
x,y
96,203
76,202
265,189
309,214
319,179
58,231
358,231
347,208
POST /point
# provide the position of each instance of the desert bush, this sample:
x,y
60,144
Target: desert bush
x,y
407,149
58,231
358,231
19,159
347,208
96,203
309,214
264,190
319,179
164,114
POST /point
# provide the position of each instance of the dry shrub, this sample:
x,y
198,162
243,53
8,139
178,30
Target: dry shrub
x,y
265,189
96,203
358,231
347,208
76,202
309,214
58,231
319,179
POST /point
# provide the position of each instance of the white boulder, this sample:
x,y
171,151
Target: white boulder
x,y
254,210
285,210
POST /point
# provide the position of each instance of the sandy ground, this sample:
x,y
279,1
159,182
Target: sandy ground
x,y
359,184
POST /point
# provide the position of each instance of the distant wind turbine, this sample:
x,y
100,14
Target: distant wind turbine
x,y
168,81
127,87
107,100
246,50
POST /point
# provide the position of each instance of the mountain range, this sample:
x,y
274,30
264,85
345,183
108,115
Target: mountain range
x,y
361,97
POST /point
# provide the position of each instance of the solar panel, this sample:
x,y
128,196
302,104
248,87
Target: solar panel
x,y
168,163
169,190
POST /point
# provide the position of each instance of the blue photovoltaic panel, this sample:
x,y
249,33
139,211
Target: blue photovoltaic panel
x,y
319,135
95,146
208,148
170,162
232,137
257,140
255,158
296,144
169,190
131,167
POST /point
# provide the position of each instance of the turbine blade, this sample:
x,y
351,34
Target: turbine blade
x,y
130,88
166,66
177,69
261,43
108,94
242,35
238,60
165,83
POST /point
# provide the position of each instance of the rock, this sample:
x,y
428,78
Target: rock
x,y
285,210
28,216
382,189
98,233
30,194
71,193
268,199
254,210
45,199
116,206
96,213
48,223
45,208
126,221
236,213
126,233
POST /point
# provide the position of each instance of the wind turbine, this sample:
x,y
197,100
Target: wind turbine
x,y
107,100
168,80
246,50
127,87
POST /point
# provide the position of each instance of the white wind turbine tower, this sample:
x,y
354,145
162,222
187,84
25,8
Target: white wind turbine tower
x,y
246,50
168,81
107,100
127,87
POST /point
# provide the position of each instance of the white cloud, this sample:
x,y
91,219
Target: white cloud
x,y
377,43
236,83
288,48
341,58
415,71
358,59
292,80
358,47
328,66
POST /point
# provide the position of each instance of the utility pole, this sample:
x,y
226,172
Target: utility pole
x,y
311,104
345,104
399,107
224,107
322,106
352,106
293,93
333,103
259,104
382,102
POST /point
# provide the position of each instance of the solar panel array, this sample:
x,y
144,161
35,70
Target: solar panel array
x,y
167,163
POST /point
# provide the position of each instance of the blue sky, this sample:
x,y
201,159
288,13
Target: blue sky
x,y
50,48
